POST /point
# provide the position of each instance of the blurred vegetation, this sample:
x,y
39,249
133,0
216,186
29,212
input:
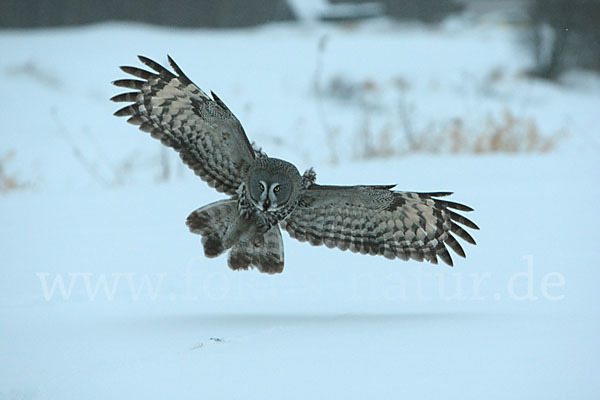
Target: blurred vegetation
x,y
182,13
197,13
383,132
429,11
9,181
564,34
507,133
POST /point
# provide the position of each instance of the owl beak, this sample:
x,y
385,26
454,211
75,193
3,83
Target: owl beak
x,y
266,204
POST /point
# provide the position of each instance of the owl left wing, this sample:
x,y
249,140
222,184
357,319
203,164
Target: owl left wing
x,y
378,221
205,133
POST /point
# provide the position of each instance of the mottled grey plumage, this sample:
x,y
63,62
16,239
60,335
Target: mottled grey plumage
x,y
268,193
222,228
375,220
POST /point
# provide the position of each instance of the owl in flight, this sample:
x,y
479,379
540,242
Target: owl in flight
x,y
268,193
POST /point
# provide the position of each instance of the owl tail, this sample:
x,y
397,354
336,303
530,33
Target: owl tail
x,y
266,256
222,229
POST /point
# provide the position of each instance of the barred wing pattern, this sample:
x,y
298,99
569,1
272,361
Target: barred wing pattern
x,y
205,133
375,220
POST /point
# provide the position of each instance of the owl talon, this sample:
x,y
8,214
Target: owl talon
x,y
259,241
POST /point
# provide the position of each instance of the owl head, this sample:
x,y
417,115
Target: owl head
x,y
272,184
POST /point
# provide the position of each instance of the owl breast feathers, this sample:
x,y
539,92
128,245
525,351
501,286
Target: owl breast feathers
x,y
267,193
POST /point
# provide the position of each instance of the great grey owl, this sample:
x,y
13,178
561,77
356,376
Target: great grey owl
x,y
268,193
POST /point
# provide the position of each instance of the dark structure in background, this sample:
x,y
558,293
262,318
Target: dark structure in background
x,y
204,13
560,34
429,11
564,34
181,13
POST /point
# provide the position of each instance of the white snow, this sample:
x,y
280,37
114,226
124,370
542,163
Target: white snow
x,y
141,313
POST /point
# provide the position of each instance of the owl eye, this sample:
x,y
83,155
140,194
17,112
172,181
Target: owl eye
x,y
261,187
276,189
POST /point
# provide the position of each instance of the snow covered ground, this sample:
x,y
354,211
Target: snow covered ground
x,y
105,294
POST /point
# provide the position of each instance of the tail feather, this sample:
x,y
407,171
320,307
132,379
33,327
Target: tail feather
x,y
267,256
219,225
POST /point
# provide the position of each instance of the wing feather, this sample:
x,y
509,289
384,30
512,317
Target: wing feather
x,y
129,83
138,72
462,220
378,221
209,138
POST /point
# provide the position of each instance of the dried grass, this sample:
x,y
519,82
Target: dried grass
x,y
506,134
9,182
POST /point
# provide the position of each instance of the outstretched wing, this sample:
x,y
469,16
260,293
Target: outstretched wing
x,y
205,133
375,220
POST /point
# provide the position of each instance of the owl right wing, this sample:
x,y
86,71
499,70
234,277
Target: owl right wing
x,y
205,133
378,221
